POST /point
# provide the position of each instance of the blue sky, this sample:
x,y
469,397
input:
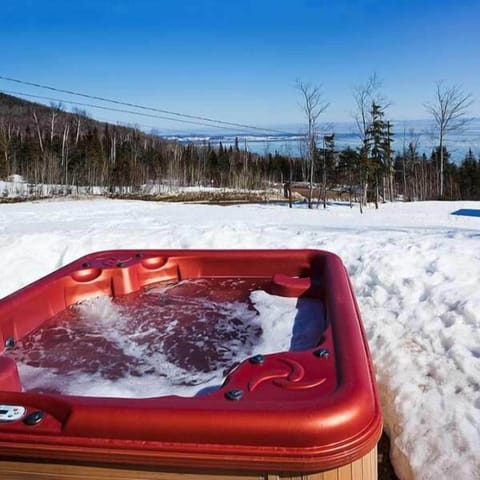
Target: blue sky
x,y
238,60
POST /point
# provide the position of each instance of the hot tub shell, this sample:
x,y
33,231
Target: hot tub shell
x,y
294,413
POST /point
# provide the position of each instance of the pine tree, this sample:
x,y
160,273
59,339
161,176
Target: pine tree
x,y
387,150
348,171
327,165
380,139
377,133
469,177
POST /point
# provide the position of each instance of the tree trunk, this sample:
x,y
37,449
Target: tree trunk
x,y
392,194
311,155
441,164
77,136
52,125
290,183
324,179
65,152
40,142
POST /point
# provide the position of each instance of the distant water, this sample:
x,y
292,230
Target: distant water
x,y
457,143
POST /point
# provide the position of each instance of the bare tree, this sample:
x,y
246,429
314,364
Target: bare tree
x,y
39,133
448,109
364,95
313,105
55,109
79,114
5,141
64,163
410,153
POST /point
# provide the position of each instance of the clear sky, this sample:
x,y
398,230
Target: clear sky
x,y
238,60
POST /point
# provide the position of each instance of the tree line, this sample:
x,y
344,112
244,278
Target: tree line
x,y
47,145
373,169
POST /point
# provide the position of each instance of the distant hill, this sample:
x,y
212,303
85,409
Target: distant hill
x,y
9,103
21,112
48,145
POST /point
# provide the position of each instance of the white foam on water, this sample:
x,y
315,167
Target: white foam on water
x,y
137,354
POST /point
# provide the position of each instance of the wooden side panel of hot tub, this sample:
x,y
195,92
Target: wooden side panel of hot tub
x,y
364,468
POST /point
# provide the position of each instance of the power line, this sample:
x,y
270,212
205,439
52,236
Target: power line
x,y
102,107
151,127
142,107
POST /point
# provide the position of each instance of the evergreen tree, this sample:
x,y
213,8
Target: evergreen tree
x,y
212,165
378,134
327,166
469,177
388,161
348,171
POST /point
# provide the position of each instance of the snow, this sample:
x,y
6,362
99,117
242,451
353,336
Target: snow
x,y
16,187
414,266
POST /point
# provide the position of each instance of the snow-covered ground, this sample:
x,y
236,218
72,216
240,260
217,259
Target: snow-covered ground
x,y
416,272
17,187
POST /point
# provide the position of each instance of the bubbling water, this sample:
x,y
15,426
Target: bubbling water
x,y
178,339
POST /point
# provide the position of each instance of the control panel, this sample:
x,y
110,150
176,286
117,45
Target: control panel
x,y
11,413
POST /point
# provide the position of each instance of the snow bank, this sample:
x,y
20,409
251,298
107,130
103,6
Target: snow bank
x,y
17,187
415,269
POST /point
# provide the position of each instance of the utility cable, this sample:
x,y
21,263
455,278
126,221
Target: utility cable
x,y
143,107
12,92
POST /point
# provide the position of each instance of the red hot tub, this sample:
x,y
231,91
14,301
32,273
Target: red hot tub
x,y
311,407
